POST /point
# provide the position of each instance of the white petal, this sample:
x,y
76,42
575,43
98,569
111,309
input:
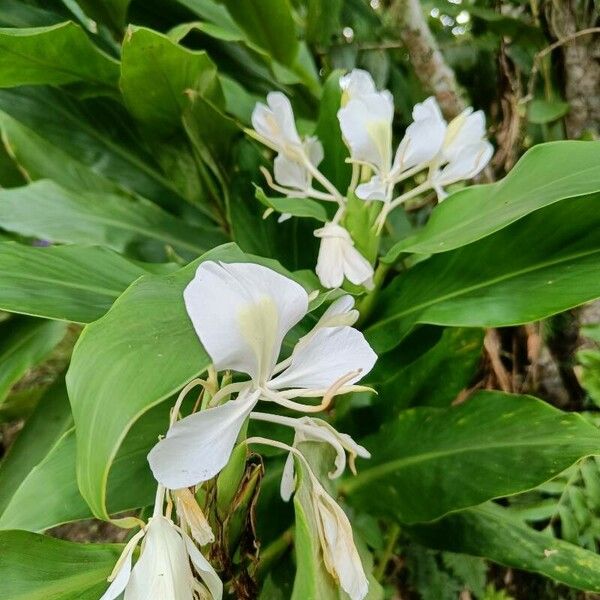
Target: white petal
x,y
356,84
366,125
428,109
465,130
199,446
331,353
357,268
288,479
314,150
163,569
204,569
290,173
374,189
330,262
241,313
340,554
468,163
341,312
275,122
121,580
421,143
284,217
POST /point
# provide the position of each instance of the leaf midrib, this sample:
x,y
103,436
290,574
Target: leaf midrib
x,y
484,284
385,468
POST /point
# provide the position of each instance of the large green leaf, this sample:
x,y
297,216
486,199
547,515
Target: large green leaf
x,y
269,24
138,354
39,159
50,420
24,343
47,211
36,567
491,532
69,283
100,137
545,263
156,74
546,174
428,462
54,55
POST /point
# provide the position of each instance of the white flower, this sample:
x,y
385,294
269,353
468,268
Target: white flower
x,y
337,544
293,173
356,84
275,125
420,144
338,258
241,313
163,569
465,151
311,429
366,124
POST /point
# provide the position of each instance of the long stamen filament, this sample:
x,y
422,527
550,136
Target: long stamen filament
x,y
309,192
322,179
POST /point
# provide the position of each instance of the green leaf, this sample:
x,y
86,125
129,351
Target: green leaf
x,y
40,159
68,283
546,174
50,420
589,376
156,74
99,138
36,567
429,462
47,211
112,13
323,20
24,343
545,111
54,55
543,264
491,532
269,24
434,379
297,207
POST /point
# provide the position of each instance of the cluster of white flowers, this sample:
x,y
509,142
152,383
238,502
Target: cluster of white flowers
x,y
241,313
450,152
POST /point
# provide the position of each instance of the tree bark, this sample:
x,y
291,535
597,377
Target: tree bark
x,y
581,63
407,18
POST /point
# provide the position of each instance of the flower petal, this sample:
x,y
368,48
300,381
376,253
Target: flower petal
x,y
421,143
163,569
121,580
275,122
466,129
468,163
366,125
328,355
356,84
288,479
204,569
199,446
374,189
241,313
290,173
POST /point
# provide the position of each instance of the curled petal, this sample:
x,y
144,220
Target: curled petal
x,y
241,313
356,84
330,354
204,569
121,579
288,479
468,163
199,446
374,189
275,123
466,129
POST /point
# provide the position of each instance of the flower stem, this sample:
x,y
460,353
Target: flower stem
x,y
367,304
388,552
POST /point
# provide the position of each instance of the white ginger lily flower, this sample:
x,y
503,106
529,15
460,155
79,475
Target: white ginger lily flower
x,y
420,144
356,84
338,258
163,569
311,429
297,160
465,151
241,313
340,555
